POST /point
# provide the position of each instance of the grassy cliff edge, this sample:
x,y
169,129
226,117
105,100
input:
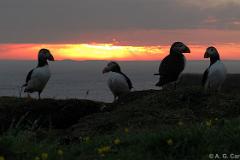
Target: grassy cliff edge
x,y
153,124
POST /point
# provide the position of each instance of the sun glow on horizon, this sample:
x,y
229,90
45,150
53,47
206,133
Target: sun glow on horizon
x,y
108,51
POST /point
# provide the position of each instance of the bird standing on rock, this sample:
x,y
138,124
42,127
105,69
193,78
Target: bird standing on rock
x,y
118,82
172,65
215,74
38,77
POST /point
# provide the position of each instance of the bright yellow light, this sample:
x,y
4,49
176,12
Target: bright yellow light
x,y
109,51
103,51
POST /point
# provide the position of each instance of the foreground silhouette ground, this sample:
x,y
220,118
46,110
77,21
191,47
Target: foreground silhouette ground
x,y
153,124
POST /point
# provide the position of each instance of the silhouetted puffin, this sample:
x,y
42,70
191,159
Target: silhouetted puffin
x,y
215,74
172,65
118,82
38,77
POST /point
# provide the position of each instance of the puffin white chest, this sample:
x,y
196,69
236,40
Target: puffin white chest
x,y
39,78
217,75
184,61
117,84
42,73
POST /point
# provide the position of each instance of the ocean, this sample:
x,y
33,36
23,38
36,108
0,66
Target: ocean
x,y
84,79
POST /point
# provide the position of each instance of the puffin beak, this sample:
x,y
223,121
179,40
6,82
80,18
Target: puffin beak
x,y
105,70
186,50
206,55
51,58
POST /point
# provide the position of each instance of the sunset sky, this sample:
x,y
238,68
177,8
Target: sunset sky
x,y
118,29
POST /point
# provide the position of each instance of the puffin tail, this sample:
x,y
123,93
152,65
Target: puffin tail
x,y
161,82
158,84
21,88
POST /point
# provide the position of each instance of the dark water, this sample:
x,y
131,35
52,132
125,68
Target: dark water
x,y
72,79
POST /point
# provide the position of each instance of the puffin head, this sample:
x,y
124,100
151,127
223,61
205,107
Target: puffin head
x,y
112,66
44,55
212,53
179,47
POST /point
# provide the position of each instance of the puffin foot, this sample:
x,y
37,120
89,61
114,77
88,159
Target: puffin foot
x,y
29,98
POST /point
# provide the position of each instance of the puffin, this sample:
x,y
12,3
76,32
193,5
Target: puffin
x,y
172,65
38,77
118,82
215,75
